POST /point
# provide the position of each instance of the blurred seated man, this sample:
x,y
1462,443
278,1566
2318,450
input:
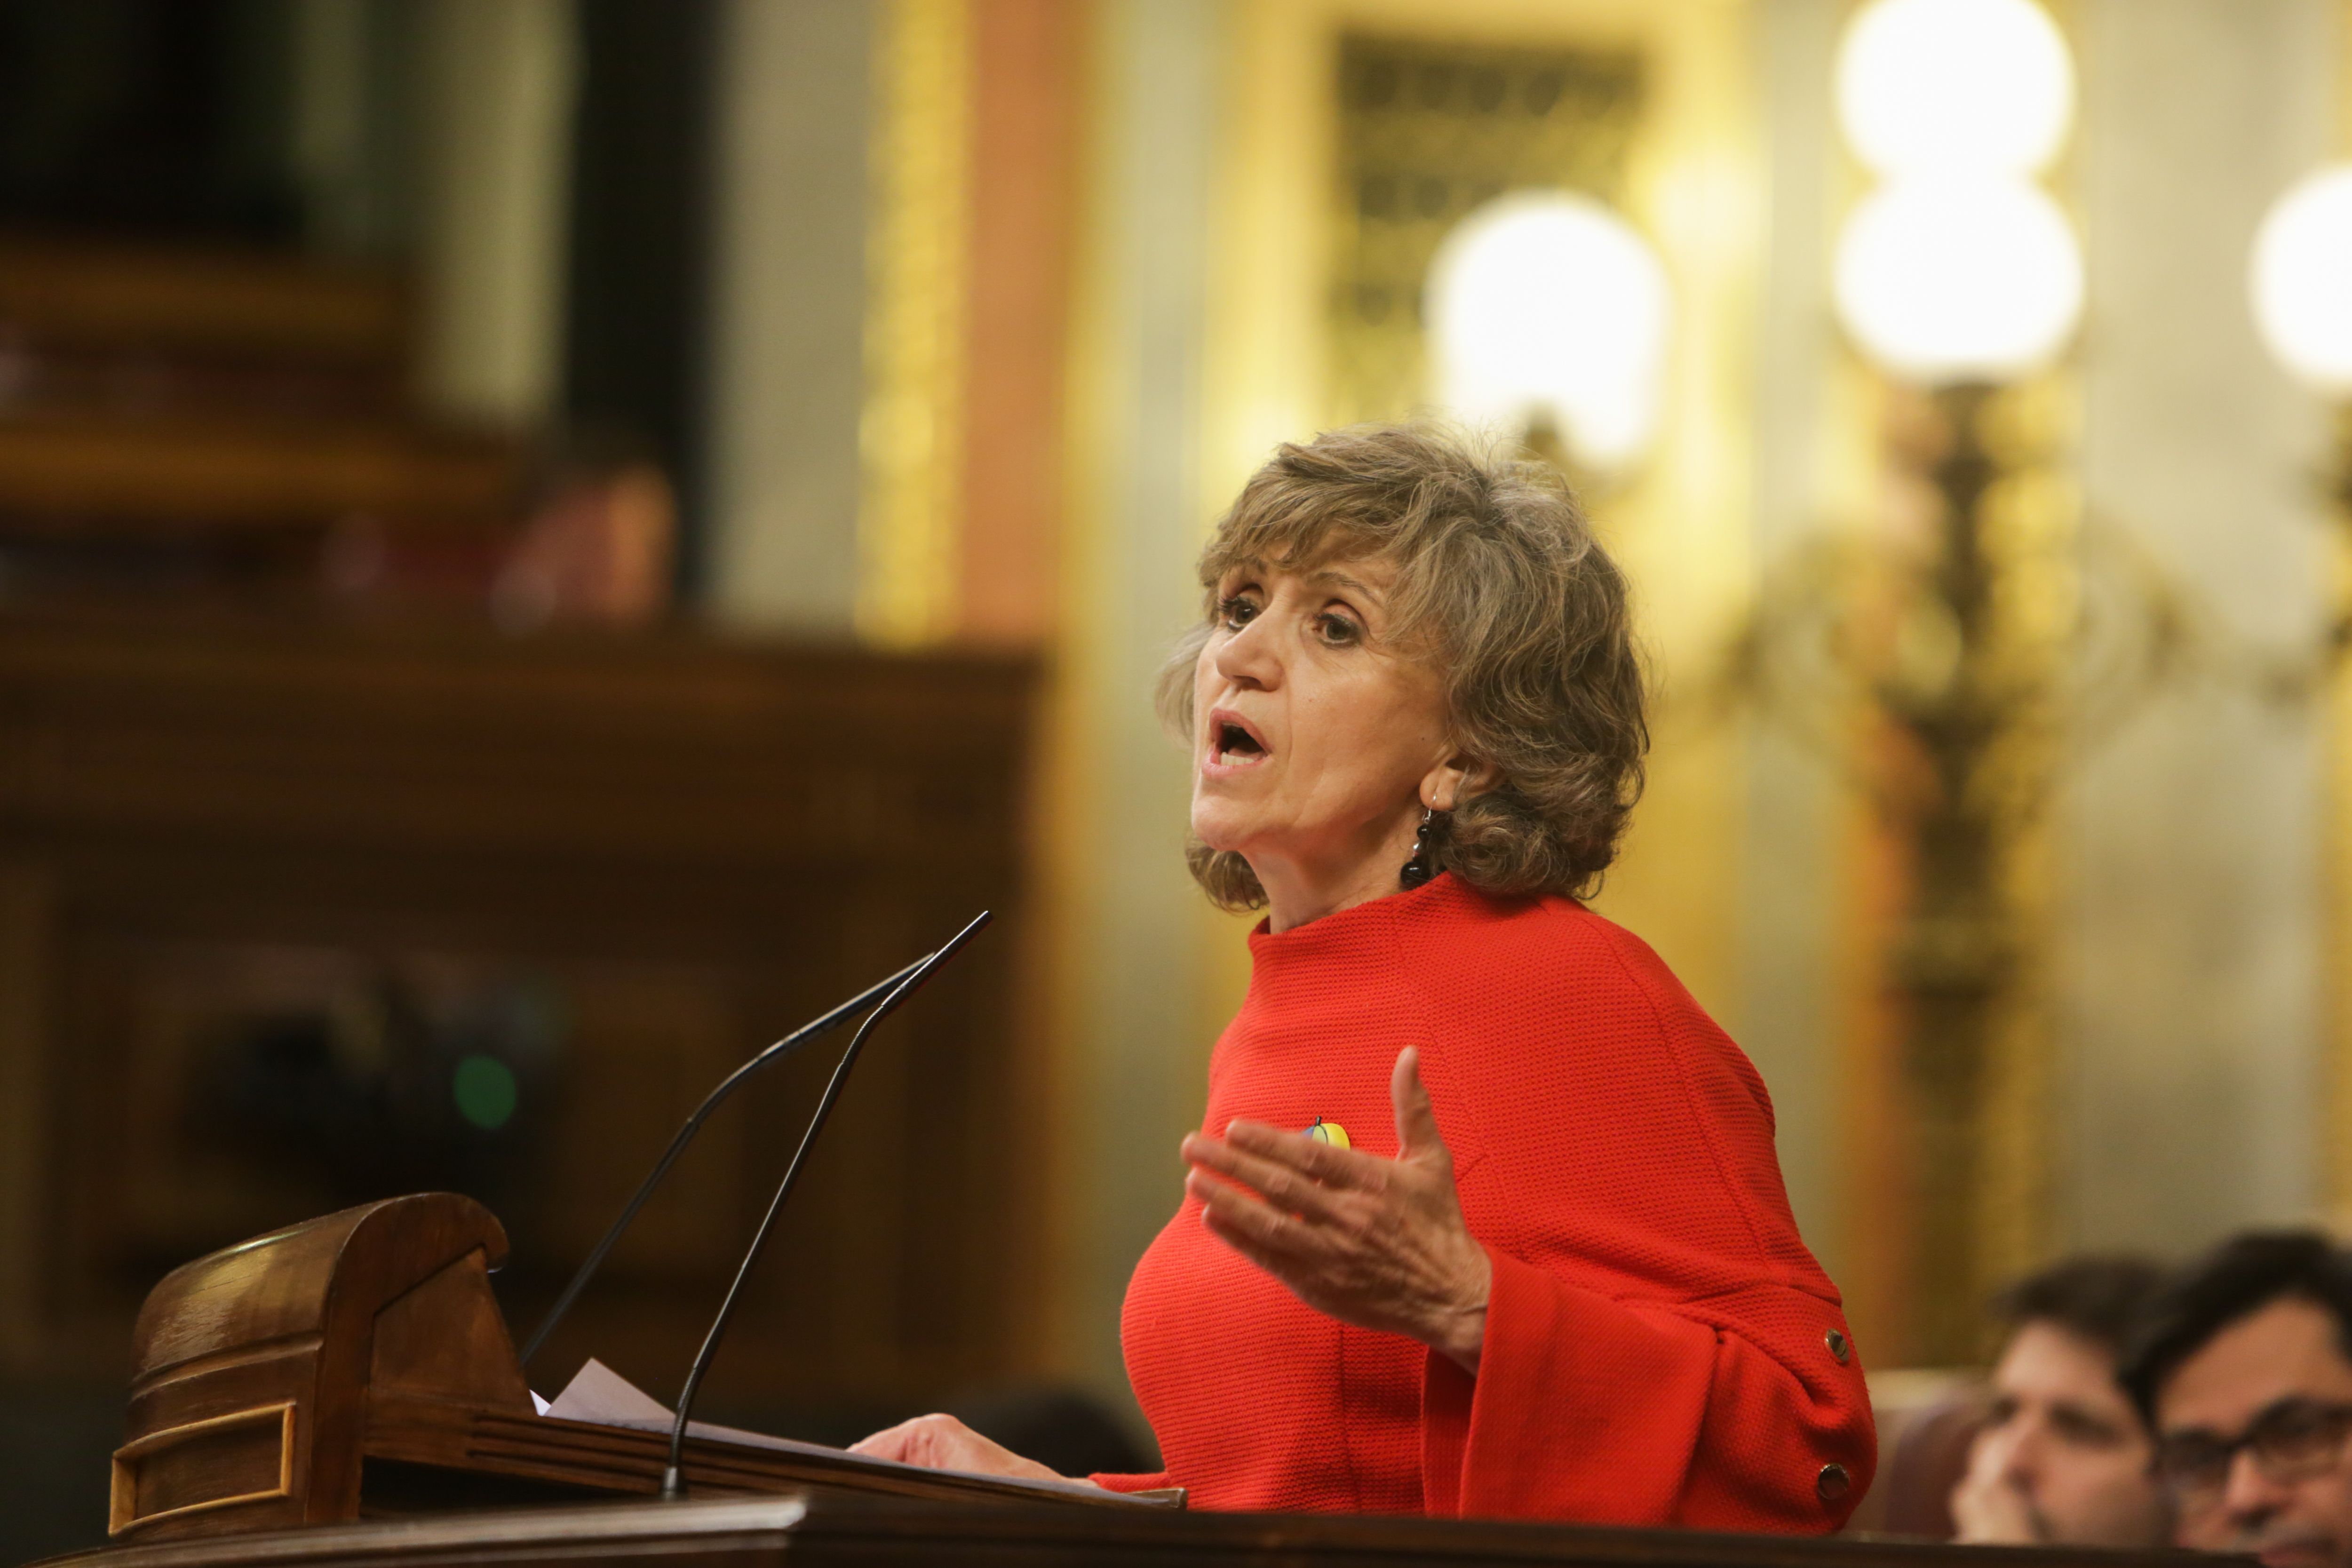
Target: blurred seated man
x,y
2242,1366
2063,1457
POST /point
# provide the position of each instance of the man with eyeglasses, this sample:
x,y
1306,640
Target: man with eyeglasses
x,y
2242,1366
2063,1458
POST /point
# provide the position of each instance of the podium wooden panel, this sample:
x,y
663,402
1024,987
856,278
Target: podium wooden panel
x,y
823,1530
342,1394
357,1365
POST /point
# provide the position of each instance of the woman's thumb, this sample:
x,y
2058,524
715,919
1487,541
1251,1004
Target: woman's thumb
x,y
1416,1119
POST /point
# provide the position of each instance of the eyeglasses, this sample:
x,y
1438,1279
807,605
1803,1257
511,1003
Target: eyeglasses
x,y
2292,1440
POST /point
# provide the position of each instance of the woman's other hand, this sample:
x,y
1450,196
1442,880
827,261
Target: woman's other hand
x,y
944,1443
1377,1243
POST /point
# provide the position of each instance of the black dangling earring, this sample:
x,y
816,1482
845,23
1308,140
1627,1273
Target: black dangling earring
x,y
1418,869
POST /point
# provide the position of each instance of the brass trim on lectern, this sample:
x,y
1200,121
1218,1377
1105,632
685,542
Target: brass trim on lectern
x,y
131,1459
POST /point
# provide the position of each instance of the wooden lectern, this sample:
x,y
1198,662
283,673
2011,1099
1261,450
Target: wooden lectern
x,y
343,1394
357,1366
836,1531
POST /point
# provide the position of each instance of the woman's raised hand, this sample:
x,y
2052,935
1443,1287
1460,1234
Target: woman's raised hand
x,y
944,1443
1377,1243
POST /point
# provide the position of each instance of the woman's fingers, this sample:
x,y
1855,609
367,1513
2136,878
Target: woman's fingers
x,y
890,1443
1416,1118
935,1442
944,1443
1299,1274
1417,1137
1241,1212
1332,1273
1327,1162
1376,1242
1282,1184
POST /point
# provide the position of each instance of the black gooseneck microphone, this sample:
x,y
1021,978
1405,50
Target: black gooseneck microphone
x,y
806,1035
673,1484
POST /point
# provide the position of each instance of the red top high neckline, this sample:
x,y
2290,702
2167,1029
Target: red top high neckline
x,y
1657,1340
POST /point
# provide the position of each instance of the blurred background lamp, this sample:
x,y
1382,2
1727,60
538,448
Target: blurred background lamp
x,y
1945,280
1546,308
485,1091
2300,278
1929,85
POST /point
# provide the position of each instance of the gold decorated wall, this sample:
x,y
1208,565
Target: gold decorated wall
x,y
1429,130
2338,843
1309,330
910,432
1251,193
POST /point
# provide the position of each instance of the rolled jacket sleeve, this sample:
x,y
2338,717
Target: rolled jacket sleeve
x,y
1589,1409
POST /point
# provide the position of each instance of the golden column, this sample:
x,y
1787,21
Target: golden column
x,y
2300,278
910,431
1959,282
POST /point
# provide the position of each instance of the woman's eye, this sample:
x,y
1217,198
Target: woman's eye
x,y
1339,631
1236,612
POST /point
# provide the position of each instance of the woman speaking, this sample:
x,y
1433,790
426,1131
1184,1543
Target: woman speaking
x,y
1485,1217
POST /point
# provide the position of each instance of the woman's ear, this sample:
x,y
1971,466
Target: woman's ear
x,y
1455,780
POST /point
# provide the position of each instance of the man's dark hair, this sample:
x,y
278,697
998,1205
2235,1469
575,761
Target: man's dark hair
x,y
2093,1297
2236,1279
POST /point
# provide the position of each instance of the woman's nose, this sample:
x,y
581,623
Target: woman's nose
x,y
1249,656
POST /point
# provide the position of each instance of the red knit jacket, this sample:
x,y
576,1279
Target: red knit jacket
x,y
1660,1347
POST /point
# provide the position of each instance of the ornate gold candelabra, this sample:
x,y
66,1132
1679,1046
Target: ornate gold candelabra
x,y
1954,670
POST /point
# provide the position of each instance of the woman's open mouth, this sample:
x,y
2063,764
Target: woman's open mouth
x,y
1232,743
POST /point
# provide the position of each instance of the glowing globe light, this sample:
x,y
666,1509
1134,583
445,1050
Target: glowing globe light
x,y
1945,86
2302,281
1546,308
1950,280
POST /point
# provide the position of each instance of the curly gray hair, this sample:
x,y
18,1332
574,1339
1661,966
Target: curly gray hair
x,y
1501,587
